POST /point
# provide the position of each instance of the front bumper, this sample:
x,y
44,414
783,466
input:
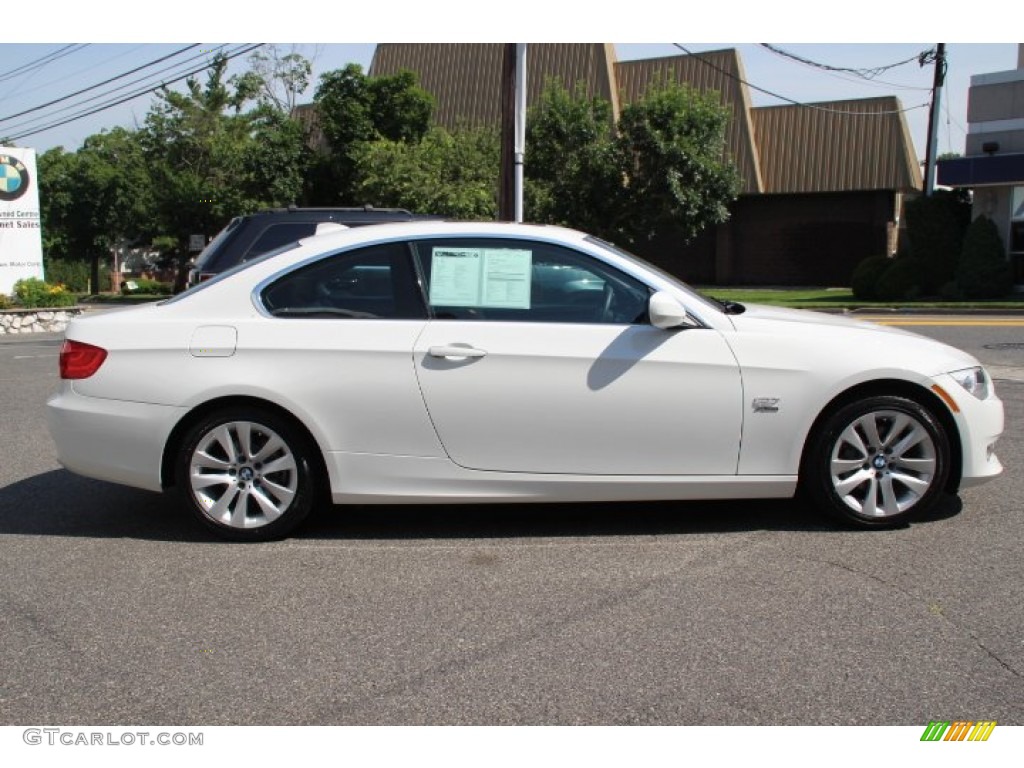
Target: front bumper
x,y
980,423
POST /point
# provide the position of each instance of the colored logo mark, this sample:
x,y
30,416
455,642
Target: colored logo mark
x,y
13,178
958,730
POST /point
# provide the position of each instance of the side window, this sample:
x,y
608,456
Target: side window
x,y
374,282
277,235
526,281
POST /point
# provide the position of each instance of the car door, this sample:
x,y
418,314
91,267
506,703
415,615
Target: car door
x,y
337,340
539,358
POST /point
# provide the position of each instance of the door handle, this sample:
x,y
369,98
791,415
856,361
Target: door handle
x,y
455,351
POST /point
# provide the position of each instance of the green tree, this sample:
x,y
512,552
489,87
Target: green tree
x,y
572,177
663,165
275,79
671,151
56,168
96,198
355,109
211,159
983,272
215,150
452,174
935,232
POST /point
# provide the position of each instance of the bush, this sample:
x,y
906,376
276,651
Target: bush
x,y
950,291
33,292
935,229
73,275
145,286
901,280
5,302
984,272
864,282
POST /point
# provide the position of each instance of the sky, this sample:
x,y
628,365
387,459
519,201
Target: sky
x,y
79,52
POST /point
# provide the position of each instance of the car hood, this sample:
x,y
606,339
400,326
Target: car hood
x,y
761,312
843,336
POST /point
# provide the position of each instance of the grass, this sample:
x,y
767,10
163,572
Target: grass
x,y
843,298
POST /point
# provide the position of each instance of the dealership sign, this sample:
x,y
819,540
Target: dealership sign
x,y
21,242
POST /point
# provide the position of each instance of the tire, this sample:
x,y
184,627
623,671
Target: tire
x,y
877,462
246,474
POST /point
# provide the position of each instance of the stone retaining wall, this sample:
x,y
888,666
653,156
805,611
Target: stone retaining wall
x,y
36,320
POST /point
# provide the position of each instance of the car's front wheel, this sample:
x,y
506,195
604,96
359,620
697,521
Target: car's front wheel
x,y
877,462
246,473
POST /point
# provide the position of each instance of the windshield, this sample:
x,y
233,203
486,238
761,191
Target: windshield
x,y
667,276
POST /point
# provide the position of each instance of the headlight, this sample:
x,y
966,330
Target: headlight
x,y
974,380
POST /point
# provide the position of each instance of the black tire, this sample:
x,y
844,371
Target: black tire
x,y
877,462
259,494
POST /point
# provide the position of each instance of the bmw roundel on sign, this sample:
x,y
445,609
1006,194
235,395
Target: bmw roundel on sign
x,y
13,178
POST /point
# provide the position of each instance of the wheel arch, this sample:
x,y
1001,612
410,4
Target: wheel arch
x,y
174,441
898,387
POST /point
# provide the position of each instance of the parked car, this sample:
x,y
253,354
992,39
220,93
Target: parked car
x,y
246,237
445,362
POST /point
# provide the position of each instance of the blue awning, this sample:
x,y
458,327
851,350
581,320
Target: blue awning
x,y
982,170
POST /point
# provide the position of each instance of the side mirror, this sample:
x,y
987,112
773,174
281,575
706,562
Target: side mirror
x,y
666,312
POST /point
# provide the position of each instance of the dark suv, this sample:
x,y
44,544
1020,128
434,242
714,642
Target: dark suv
x,y
246,237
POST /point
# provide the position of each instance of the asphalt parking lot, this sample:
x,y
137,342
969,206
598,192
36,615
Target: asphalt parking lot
x,y
117,609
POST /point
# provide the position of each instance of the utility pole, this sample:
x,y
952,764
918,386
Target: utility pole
x,y
506,176
933,120
513,132
520,144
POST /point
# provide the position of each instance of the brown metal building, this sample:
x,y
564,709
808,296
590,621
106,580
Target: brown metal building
x,y
823,183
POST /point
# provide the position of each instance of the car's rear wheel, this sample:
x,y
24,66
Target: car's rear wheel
x,y
877,462
246,473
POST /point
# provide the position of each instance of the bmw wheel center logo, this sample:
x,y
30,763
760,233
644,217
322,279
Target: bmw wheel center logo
x,y
13,178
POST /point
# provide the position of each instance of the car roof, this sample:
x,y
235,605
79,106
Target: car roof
x,y
408,229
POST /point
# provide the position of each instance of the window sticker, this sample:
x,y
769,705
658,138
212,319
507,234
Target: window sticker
x,y
481,277
507,278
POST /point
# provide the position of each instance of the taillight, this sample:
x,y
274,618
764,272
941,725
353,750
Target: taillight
x,y
79,360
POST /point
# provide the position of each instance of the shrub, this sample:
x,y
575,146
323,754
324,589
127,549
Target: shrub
x,y
73,275
5,302
145,286
864,282
950,291
984,272
935,229
901,280
33,292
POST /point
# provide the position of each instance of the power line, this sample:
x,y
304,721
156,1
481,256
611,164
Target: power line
x,y
867,73
97,66
875,83
234,54
148,80
854,75
42,61
100,84
950,120
788,100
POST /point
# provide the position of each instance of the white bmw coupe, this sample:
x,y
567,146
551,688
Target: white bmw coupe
x,y
453,362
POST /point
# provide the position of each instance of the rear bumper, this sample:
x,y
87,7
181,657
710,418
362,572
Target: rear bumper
x,y
113,440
